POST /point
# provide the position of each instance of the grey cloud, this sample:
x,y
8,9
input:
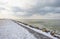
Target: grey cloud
x,y
17,9
41,11
44,10
40,8
1,8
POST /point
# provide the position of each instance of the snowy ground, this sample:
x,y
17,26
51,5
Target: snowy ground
x,y
11,30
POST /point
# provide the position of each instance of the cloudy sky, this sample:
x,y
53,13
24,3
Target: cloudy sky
x,y
30,9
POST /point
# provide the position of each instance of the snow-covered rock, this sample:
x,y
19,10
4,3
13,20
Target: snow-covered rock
x,y
39,31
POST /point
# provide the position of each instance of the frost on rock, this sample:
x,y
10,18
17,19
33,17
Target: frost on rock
x,y
11,30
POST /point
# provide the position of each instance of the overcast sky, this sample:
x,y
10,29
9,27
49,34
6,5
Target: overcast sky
x,y
30,9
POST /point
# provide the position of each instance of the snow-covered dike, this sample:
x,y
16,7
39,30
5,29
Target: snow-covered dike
x,y
39,31
11,30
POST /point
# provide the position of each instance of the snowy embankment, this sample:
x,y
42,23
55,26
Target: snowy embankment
x,y
39,31
11,30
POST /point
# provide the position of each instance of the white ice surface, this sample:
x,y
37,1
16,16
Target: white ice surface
x,y
11,30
